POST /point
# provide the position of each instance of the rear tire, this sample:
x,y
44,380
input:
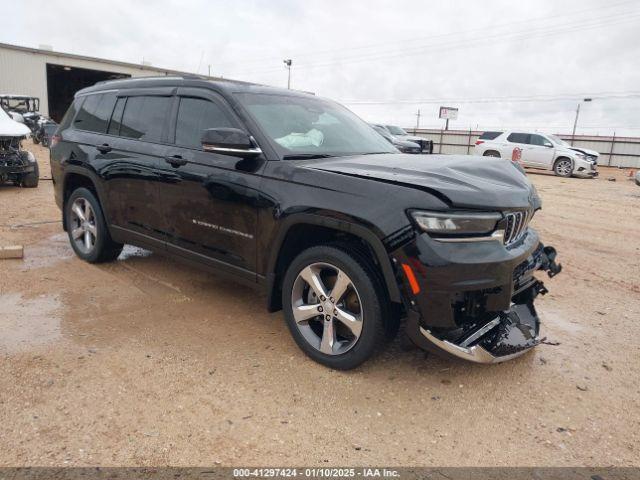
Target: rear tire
x,y
87,229
31,179
342,332
491,153
563,167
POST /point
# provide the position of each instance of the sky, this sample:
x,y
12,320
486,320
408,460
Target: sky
x,y
504,64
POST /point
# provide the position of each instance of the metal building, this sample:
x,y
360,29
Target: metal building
x,y
54,77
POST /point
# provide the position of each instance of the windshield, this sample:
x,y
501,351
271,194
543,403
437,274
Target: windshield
x,y
310,126
558,141
384,132
396,130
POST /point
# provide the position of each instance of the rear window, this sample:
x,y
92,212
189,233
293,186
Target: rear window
x,y
518,138
144,118
490,135
95,112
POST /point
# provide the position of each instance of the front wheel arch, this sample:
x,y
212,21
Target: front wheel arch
x,y
560,159
333,230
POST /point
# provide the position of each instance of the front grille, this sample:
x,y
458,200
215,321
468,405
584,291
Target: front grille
x,y
516,224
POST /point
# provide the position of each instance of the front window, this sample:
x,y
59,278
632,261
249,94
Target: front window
x,y
308,126
396,130
558,141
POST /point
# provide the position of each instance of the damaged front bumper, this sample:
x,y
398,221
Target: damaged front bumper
x,y
487,316
509,335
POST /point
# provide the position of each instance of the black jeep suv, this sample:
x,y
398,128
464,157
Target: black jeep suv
x,y
296,195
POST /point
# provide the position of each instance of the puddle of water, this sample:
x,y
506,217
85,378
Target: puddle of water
x,y
129,251
29,322
47,253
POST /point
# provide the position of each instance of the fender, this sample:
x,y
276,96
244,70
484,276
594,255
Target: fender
x,y
341,225
97,183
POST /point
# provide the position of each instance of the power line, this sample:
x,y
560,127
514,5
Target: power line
x,y
535,32
552,17
506,99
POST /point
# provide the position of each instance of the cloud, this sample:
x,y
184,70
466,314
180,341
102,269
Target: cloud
x,y
378,50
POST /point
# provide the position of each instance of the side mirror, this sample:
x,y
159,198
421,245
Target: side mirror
x,y
229,141
548,145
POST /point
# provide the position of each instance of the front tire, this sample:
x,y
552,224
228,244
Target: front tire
x,y
563,167
87,228
31,179
334,307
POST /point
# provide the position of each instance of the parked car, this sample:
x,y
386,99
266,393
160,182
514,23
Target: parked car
x,y
402,145
298,197
401,134
16,164
537,150
45,130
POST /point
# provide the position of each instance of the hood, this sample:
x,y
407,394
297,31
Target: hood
x,y
11,128
462,181
586,151
403,142
411,138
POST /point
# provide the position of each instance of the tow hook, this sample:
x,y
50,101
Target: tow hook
x,y
549,264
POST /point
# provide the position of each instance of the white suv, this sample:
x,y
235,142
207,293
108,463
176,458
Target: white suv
x,y
537,150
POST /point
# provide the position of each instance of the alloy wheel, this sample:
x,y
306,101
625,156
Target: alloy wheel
x,y
327,308
563,168
83,225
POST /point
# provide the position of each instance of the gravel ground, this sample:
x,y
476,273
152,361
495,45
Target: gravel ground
x,y
147,362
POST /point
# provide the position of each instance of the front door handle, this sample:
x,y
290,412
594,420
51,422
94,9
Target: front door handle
x,y
175,160
104,148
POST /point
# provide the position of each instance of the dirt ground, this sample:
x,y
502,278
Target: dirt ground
x,y
148,362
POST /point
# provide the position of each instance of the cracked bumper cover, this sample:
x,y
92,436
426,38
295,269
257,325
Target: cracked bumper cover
x,y
509,325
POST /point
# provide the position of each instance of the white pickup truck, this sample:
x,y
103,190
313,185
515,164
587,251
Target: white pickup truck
x,y
537,150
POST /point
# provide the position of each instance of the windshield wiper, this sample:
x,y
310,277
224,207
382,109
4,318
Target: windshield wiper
x,y
305,156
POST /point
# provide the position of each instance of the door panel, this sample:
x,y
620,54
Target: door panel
x,y
132,181
136,135
537,154
210,201
517,140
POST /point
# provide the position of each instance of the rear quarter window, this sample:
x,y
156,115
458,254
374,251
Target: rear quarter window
x,y
71,113
95,112
490,135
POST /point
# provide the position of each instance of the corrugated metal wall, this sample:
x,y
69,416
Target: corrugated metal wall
x,y
614,151
24,72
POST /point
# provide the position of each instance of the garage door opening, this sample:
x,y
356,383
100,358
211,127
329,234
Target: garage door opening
x,y
63,82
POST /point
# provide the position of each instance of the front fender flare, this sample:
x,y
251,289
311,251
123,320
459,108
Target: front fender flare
x,y
360,231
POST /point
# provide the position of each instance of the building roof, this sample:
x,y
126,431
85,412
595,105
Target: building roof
x,y
73,56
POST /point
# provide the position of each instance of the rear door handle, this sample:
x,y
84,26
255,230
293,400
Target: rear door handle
x,y
175,160
104,148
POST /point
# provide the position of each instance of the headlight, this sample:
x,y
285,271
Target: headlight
x,y
456,223
581,156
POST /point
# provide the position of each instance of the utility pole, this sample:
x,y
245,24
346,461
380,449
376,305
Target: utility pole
x,y
209,70
287,64
575,122
418,120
